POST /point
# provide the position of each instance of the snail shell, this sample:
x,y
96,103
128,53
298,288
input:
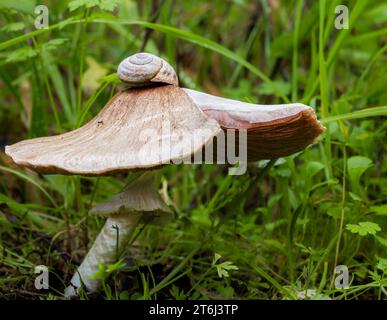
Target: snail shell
x,y
142,69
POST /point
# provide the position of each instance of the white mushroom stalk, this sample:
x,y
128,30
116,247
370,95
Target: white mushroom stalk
x,y
138,203
113,237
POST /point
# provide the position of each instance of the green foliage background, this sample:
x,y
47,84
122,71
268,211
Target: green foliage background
x,y
272,233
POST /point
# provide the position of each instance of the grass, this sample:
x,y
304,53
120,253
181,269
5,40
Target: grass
x,y
272,233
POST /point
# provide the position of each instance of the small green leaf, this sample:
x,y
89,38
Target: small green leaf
x,y
53,44
76,4
21,54
364,228
124,295
108,5
313,167
382,241
119,265
100,274
104,272
284,172
278,86
26,6
357,165
224,267
382,265
336,211
216,258
354,196
92,75
12,27
379,210
65,22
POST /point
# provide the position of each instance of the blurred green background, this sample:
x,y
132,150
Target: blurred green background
x,y
276,232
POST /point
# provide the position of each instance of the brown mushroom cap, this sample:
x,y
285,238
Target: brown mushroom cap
x,y
138,129
273,131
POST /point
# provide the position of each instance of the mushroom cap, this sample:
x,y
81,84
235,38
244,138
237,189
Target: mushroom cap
x,y
138,129
273,131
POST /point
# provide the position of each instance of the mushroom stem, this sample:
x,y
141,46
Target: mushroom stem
x,y
108,246
138,203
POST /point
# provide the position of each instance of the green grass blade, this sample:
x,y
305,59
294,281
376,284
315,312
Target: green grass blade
x,y
296,33
30,180
365,113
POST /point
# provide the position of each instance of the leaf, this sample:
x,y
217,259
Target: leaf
x,y
377,14
224,267
240,92
119,265
280,87
227,291
379,210
100,274
53,44
283,172
21,54
26,6
217,256
382,265
313,167
335,211
27,52
354,196
274,200
12,27
75,4
357,165
364,228
92,76
382,241
65,22
124,295
104,272
108,5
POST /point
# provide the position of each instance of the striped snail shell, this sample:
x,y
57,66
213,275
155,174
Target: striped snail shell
x,y
142,69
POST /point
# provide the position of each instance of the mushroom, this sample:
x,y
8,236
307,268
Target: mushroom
x,y
152,123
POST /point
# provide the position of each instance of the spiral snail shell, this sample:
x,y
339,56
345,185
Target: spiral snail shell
x,y
142,69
